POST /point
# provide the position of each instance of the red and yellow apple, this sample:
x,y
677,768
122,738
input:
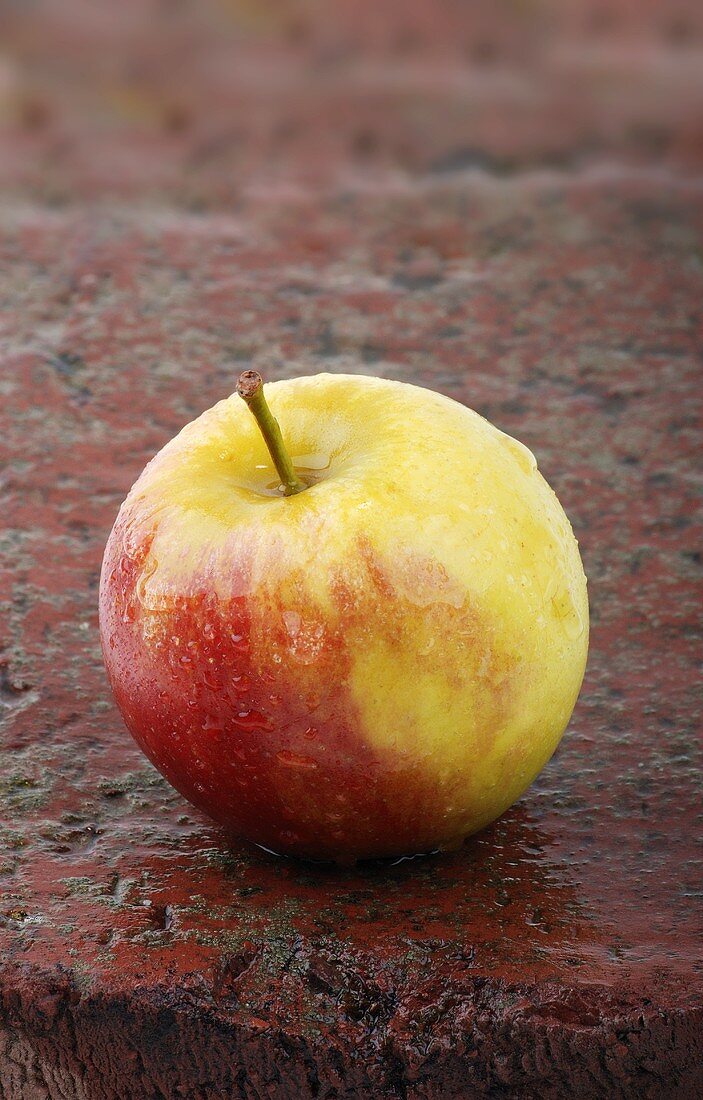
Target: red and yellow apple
x,y
377,665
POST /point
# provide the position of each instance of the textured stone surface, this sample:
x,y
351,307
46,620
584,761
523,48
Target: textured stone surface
x,y
558,954
560,945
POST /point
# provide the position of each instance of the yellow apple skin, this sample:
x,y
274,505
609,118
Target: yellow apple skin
x,y
377,666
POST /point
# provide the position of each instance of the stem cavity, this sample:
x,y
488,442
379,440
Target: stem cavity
x,y
250,388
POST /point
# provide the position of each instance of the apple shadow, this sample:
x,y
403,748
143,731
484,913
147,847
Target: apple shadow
x,y
500,900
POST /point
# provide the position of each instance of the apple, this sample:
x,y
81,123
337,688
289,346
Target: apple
x,y
366,641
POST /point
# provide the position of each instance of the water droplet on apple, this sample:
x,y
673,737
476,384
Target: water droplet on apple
x,y
253,720
307,639
241,684
273,489
134,540
552,585
292,621
315,461
524,456
567,614
295,760
210,722
574,626
210,680
141,587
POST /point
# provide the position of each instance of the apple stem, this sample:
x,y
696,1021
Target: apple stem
x,y
250,388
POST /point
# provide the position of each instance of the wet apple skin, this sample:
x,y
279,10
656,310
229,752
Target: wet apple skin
x,y
279,756
247,696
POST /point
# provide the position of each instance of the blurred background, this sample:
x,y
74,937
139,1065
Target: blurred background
x,y
201,99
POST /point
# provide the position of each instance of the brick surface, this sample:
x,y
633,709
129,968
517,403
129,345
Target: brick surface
x,y
559,952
